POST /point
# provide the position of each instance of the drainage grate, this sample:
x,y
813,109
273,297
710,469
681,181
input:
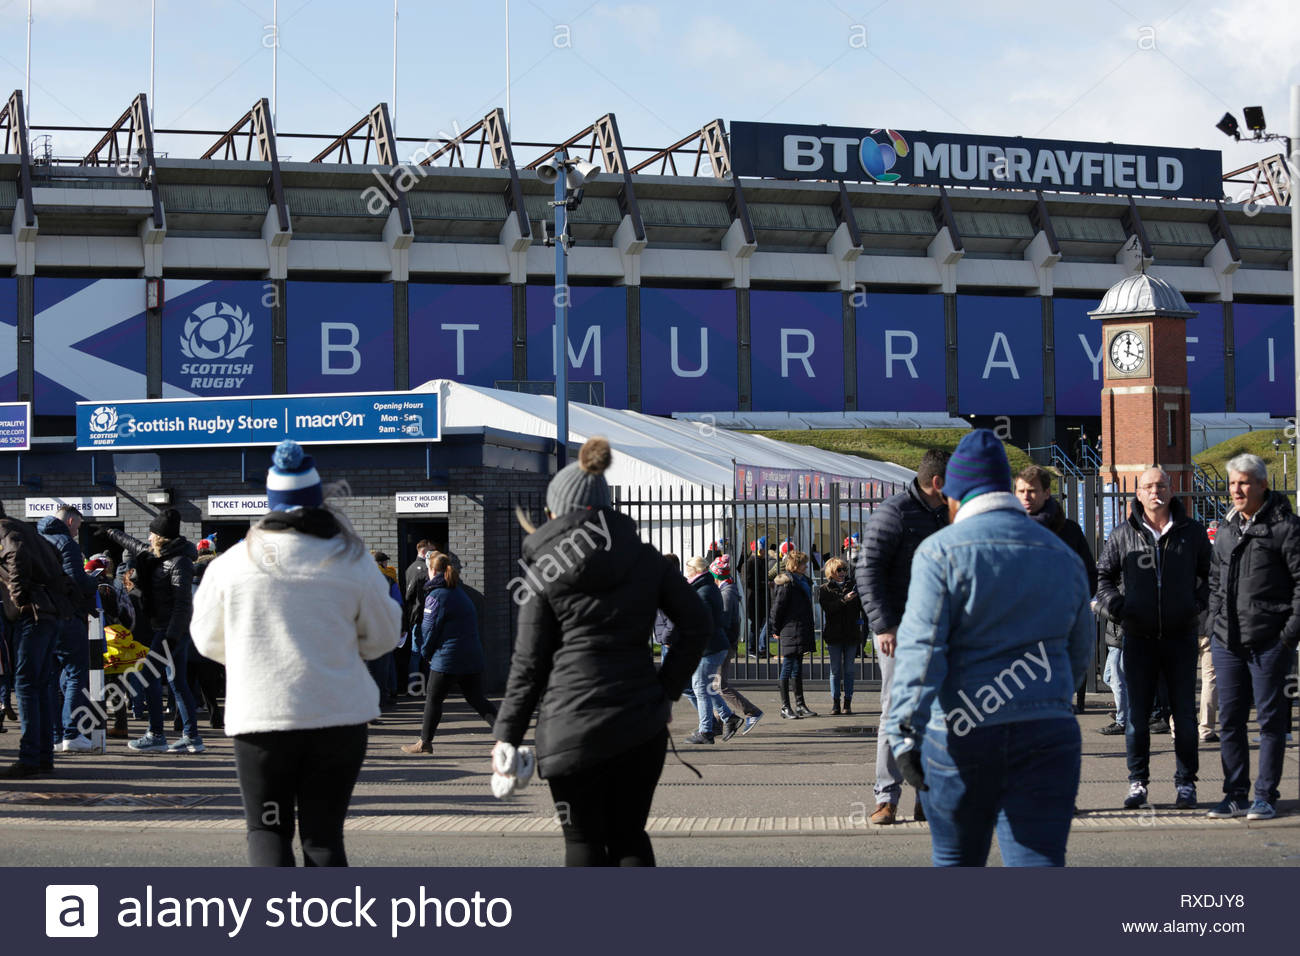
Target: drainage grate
x,y
172,801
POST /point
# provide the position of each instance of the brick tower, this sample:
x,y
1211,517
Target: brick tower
x,y
1145,403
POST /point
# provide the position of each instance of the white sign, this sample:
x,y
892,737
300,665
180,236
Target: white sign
x,y
231,506
422,503
89,507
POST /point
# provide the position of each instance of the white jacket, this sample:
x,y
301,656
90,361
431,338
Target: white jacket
x,y
294,624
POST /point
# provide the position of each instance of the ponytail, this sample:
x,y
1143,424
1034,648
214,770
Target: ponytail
x,y
442,565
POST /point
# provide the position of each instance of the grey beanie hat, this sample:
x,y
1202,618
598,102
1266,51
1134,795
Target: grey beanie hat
x,y
582,484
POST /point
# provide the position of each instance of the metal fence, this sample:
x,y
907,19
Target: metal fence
x,y
691,521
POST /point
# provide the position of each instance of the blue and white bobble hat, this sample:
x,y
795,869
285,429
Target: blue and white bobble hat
x,y
292,481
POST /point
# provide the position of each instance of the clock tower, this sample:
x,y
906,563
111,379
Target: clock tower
x,y
1145,402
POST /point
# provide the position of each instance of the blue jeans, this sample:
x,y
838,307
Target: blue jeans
x,y
72,678
704,684
1020,779
149,679
791,665
33,674
842,657
1113,675
1244,673
1145,660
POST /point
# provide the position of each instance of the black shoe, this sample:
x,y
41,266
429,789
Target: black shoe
x,y
848,708
1210,738
717,725
835,708
1160,726
10,714
918,812
699,738
733,724
1111,729
803,710
789,714
19,769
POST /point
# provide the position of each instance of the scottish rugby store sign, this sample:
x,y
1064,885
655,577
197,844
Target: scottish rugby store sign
x,y
355,418
908,157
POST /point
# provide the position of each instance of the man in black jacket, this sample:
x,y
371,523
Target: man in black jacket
x,y
35,597
72,645
413,584
883,574
1153,581
1254,623
1033,487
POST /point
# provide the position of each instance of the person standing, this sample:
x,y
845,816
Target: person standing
x,y
1254,623
414,580
706,681
792,623
842,632
165,571
883,574
745,716
581,651
72,643
294,612
449,642
753,576
997,614
35,596
1153,581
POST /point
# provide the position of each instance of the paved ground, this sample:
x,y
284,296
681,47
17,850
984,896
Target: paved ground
x,y
791,793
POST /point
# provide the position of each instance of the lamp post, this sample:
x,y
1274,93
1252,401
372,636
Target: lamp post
x,y
569,177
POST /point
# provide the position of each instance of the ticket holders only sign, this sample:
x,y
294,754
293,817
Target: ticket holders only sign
x,y
355,418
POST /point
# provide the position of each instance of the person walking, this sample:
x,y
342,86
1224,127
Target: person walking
x,y
449,642
581,651
165,571
1254,623
414,580
842,632
792,623
883,573
35,595
997,614
72,642
294,612
1153,580
705,682
745,715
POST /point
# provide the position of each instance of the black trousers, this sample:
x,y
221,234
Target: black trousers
x,y
313,771
603,809
437,688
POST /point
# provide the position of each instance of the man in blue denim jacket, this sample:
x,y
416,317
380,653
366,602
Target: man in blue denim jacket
x,y
996,636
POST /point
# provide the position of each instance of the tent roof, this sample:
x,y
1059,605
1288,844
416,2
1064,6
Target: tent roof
x,y
648,450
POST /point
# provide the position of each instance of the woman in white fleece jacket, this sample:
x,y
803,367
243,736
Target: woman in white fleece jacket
x,y
294,611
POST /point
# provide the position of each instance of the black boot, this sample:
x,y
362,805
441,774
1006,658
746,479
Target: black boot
x,y
801,708
835,707
848,705
786,710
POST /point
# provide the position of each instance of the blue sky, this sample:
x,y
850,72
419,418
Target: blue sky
x,y
1113,70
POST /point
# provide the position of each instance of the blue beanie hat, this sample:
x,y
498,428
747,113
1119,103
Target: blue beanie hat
x,y
978,466
292,481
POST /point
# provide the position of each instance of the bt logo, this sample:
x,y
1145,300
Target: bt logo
x,y
807,154
878,158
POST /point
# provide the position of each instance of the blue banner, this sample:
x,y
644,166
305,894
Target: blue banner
x,y
8,339
787,151
216,337
340,336
901,363
999,355
597,344
261,420
89,342
1205,368
1078,358
1263,336
15,426
688,350
460,332
798,351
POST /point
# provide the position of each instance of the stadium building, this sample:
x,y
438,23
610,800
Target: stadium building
x,y
816,272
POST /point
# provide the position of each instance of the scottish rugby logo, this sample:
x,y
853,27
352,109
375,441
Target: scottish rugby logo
x,y
217,330
103,421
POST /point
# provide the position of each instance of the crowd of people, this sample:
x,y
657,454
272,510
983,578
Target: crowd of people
x,y
983,624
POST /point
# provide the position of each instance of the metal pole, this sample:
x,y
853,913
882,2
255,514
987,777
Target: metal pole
x,y
508,68
560,340
393,114
275,60
27,76
153,15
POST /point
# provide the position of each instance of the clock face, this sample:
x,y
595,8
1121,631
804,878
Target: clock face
x,y
1127,351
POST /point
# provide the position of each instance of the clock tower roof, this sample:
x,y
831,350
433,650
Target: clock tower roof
x,y
1142,295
